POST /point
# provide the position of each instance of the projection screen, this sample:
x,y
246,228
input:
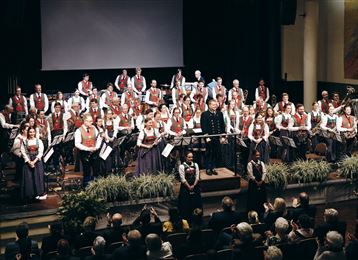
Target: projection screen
x,y
108,34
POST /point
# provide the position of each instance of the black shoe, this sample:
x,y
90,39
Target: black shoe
x,y
209,172
214,172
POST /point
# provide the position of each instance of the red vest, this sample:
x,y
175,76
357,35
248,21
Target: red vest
x,y
88,138
18,103
86,86
258,133
245,124
77,120
123,82
347,122
96,114
39,101
138,83
202,92
57,122
154,94
109,97
115,110
177,126
325,105
262,92
123,120
298,121
186,112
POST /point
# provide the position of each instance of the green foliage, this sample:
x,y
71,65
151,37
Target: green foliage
x,y
152,186
309,171
348,168
277,176
74,208
111,188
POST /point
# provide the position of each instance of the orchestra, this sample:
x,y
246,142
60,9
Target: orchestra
x,y
148,119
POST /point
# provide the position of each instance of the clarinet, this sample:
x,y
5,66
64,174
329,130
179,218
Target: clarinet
x,y
90,154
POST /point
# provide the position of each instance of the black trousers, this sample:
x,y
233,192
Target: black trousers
x,y
213,153
90,164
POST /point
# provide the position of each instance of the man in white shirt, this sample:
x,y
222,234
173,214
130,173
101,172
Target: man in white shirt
x,y
88,141
122,81
138,82
19,103
262,91
153,95
39,100
85,86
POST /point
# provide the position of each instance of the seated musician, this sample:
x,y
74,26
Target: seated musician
x,y
219,89
300,125
140,119
176,125
245,121
282,124
93,95
19,103
88,141
177,79
85,86
153,95
60,99
114,106
280,106
325,102
221,102
164,113
199,90
347,125
108,95
177,91
5,127
138,82
129,96
261,105
95,110
315,117
75,120
232,117
236,93
270,120
44,129
258,134
262,91
158,123
195,120
124,122
329,125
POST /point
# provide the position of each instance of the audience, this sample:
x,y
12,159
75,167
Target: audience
x,y
176,223
98,250
197,219
224,218
156,249
273,253
133,249
116,230
281,227
332,248
49,243
144,225
274,212
64,251
194,244
23,247
331,223
243,246
302,230
302,206
253,218
89,234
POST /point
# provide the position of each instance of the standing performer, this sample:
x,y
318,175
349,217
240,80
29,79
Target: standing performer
x,y
149,158
76,98
315,117
176,125
300,127
110,134
32,183
186,111
212,123
324,102
282,121
178,78
329,124
138,82
256,194
219,89
108,95
85,86
58,127
177,90
153,95
236,93
262,91
88,141
16,150
39,100
199,90
189,194
59,99
232,117
129,96
5,126
258,134
19,103
347,125
122,81
280,107
44,129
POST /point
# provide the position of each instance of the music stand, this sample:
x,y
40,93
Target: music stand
x,y
289,141
56,140
47,155
13,133
241,142
275,140
119,141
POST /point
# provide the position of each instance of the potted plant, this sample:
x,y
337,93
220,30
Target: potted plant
x,y
111,188
74,208
348,168
309,171
276,176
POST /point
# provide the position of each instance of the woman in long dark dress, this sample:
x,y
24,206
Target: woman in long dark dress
x,y
32,183
149,158
256,194
258,134
189,195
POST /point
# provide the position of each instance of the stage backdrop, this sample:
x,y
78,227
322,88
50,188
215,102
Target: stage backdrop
x,y
351,39
94,34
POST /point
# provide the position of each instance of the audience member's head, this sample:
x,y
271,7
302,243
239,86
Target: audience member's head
x,y
22,230
117,220
89,224
99,246
24,242
63,247
304,221
253,217
330,215
244,232
145,217
197,217
281,226
153,242
304,199
273,253
175,219
334,241
227,203
279,205
134,237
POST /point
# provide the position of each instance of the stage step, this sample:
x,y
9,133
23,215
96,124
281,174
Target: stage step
x,y
225,180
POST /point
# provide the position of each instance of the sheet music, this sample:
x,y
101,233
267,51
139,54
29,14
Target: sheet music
x,y
289,141
69,137
48,155
103,148
275,140
168,148
106,152
13,133
56,140
197,130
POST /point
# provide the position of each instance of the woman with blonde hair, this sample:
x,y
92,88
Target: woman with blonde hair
x,y
273,212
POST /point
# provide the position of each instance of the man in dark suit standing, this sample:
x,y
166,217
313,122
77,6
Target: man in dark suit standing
x,y
212,123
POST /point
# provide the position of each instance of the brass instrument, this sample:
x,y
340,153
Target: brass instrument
x,y
316,130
